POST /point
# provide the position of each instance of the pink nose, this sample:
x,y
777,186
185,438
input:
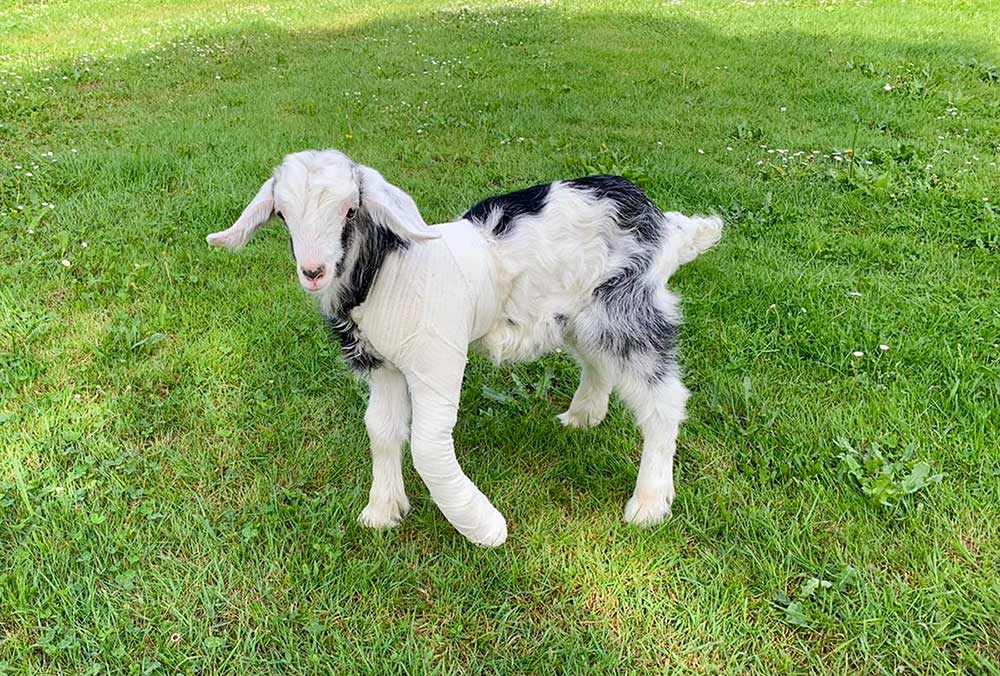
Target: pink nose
x,y
314,273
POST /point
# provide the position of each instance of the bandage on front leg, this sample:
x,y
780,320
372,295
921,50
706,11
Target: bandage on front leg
x,y
434,398
464,505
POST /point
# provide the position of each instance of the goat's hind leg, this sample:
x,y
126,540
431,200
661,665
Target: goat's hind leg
x,y
590,402
634,327
659,410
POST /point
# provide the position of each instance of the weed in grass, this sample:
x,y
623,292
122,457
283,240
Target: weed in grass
x,y
613,162
125,339
523,398
817,602
889,476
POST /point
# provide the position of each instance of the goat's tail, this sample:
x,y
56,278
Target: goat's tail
x,y
687,238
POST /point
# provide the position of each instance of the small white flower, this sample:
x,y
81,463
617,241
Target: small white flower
x,y
28,174
857,353
887,87
84,245
73,150
729,148
986,199
854,294
700,151
65,263
783,109
883,347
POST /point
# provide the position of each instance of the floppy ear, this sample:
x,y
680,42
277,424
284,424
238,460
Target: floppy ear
x,y
392,208
257,213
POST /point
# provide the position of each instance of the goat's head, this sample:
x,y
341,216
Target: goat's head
x,y
318,194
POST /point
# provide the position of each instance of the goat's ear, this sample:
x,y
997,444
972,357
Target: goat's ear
x,y
257,213
392,208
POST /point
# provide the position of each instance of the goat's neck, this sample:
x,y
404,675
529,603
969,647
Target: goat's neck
x,y
366,246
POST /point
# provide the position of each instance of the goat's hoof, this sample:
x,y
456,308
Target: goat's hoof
x,y
384,514
581,419
491,534
647,513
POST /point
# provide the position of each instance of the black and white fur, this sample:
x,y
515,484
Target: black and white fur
x,y
578,263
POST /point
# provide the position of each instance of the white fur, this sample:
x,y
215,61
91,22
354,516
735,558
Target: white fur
x,y
388,423
313,192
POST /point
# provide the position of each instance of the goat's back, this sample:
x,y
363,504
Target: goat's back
x,y
555,244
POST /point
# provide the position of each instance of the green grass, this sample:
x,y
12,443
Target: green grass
x,y
181,450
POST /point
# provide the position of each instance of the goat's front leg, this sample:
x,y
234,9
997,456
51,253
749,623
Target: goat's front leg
x,y
387,420
434,394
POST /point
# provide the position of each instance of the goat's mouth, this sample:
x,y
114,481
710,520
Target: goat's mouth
x,y
315,286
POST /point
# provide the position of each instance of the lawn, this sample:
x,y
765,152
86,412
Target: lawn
x,y
182,456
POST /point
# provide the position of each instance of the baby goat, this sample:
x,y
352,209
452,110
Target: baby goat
x,y
580,263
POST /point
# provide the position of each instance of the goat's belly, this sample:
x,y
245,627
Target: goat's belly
x,y
508,340
534,317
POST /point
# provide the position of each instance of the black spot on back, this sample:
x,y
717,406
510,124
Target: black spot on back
x,y
511,206
635,211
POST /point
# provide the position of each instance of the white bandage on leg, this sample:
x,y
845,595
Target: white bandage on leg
x,y
435,409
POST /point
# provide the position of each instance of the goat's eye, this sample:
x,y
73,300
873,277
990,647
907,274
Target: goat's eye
x,y
279,215
350,213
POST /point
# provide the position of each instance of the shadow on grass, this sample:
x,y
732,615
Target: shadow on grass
x,y
245,405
